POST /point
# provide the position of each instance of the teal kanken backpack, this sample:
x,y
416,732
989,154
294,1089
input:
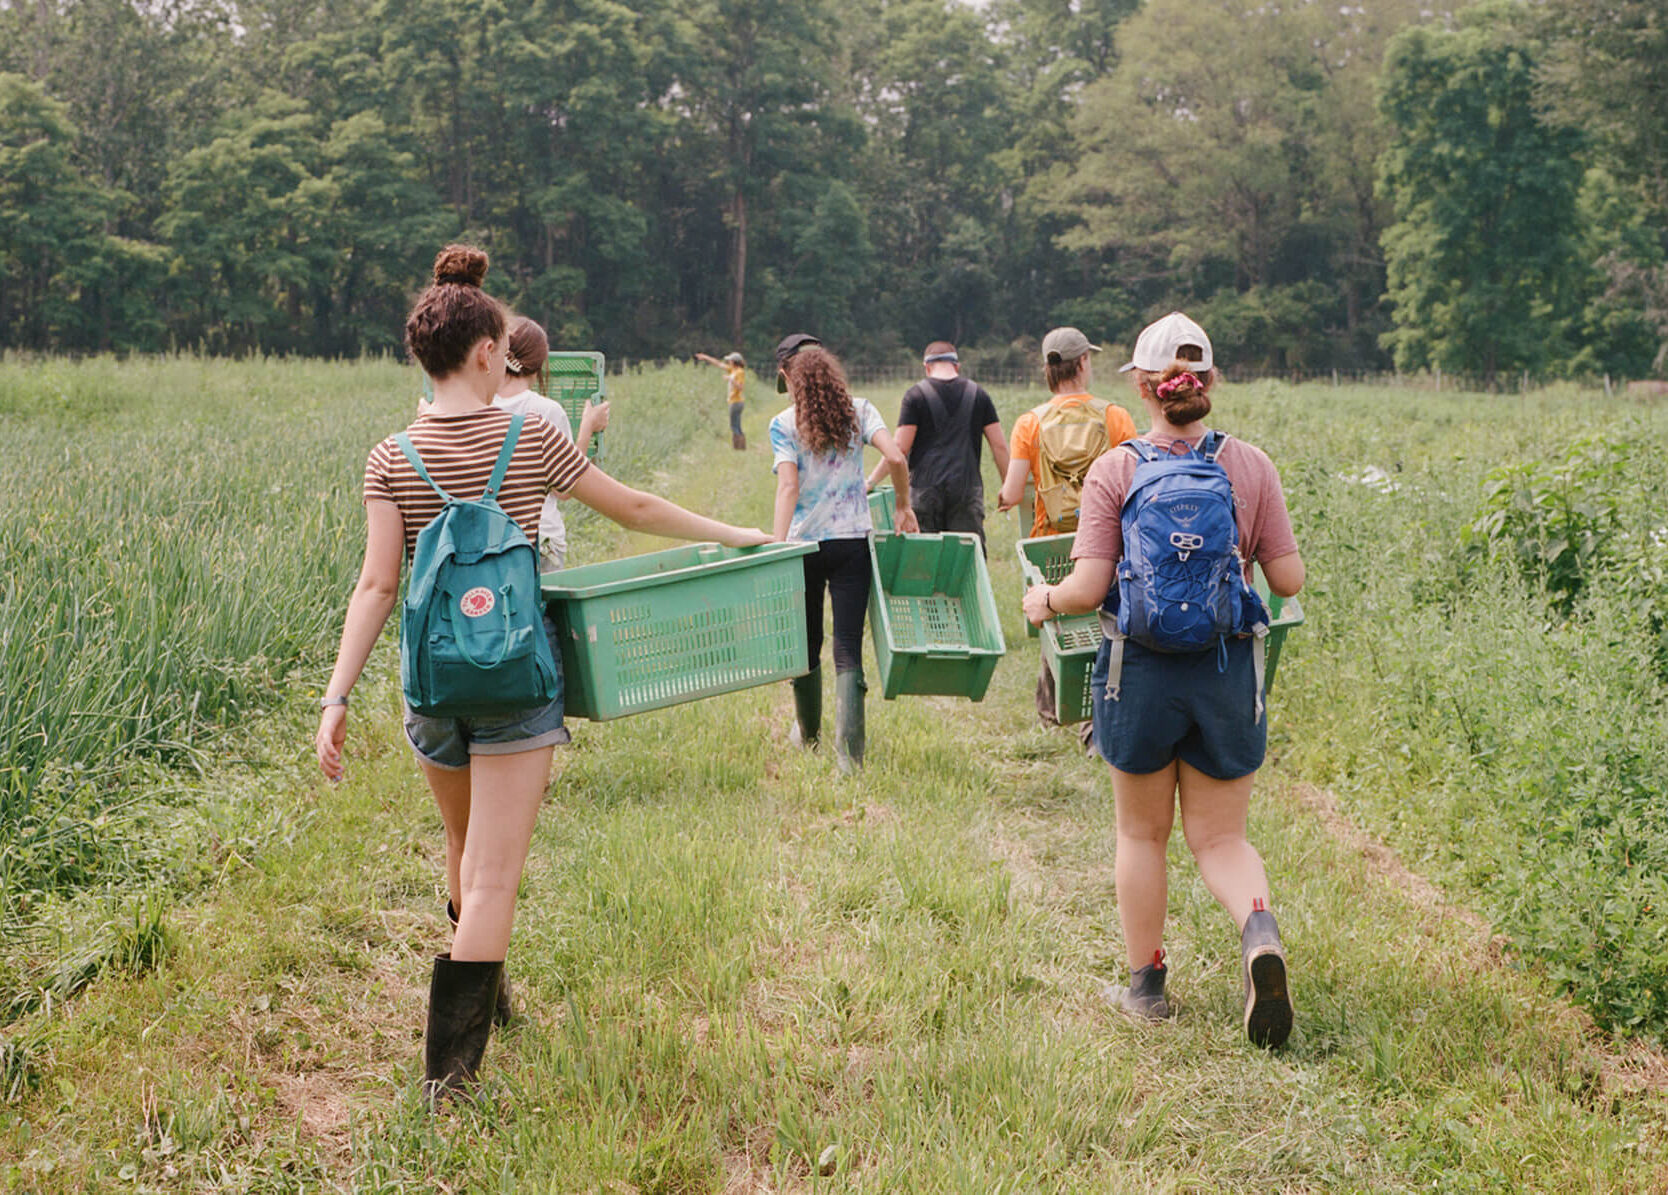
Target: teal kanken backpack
x,y
472,641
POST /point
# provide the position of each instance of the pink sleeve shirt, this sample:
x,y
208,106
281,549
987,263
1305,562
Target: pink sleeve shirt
x,y
1265,528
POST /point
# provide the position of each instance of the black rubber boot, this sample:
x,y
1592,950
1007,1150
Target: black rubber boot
x,y
807,709
461,998
502,1011
1144,997
1268,1002
848,721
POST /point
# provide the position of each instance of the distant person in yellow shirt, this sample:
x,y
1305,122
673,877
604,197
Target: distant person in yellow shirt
x,y
735,367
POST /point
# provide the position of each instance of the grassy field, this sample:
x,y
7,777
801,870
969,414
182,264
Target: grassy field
x,y
727,960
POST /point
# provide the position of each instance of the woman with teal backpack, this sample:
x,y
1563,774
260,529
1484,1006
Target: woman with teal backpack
x,y
487,774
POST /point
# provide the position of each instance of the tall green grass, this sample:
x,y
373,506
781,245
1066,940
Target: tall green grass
x,y
178,538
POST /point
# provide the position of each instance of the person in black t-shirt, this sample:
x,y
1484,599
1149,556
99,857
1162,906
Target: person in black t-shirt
x,y
944,419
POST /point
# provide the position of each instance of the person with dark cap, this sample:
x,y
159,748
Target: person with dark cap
x,y
817,450
944,420
734,366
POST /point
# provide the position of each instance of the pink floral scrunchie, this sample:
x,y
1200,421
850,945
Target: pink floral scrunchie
x,y
1166,389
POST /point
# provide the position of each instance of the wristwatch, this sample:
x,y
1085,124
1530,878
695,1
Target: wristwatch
x,y
327,702
1048,600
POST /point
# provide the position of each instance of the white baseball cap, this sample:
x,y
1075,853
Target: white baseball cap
x,y
1156,347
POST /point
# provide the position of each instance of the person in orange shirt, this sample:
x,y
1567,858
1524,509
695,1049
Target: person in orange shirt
x,y
1055,443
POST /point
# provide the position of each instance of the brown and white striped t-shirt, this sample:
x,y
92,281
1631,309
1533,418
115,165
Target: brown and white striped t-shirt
x,y
459,452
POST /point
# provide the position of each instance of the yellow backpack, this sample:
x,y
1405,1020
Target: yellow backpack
x,y
1070,438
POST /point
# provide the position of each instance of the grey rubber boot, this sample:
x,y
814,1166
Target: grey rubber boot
x,y
848,721
807,709
1268,1001
1144,997
461,999
502,1011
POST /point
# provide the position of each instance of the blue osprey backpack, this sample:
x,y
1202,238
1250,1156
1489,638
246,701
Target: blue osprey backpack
x,y
1181,585
472,641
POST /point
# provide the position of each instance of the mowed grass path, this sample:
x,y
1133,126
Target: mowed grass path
x,y
728,961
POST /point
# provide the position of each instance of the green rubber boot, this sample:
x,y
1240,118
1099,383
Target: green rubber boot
x,y
848,721
807,709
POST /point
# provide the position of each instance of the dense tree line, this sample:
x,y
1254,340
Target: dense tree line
x,y
1328,186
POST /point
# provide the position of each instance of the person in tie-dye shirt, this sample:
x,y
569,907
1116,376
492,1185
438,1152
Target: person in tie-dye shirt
x,y
822,495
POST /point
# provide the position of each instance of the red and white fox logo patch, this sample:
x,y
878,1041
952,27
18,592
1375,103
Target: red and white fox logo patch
x,y
477,601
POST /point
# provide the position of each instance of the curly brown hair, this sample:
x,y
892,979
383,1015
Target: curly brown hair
x,y
822,408
453,314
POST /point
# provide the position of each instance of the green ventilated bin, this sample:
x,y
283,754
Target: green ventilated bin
x,y
577,379
932,615
883,508
1069,641
668,627
1043,558
1284,614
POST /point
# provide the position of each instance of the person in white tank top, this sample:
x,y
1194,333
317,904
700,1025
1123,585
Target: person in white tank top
x,y
524,365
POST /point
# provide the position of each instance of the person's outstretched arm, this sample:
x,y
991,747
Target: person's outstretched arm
x,y
639,511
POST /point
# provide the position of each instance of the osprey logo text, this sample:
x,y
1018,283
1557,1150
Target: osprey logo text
x,y
477,602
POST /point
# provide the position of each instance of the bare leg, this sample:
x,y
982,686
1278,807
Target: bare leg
x,y
451,793
507,791
1146,807
1213,819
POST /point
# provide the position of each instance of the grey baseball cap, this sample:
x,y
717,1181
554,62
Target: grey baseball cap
x,y
1066,344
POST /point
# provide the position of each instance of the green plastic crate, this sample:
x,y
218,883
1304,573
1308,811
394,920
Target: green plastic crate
x,y
1071,641
1285,613
932,615
577,379
1043,558
650,631
883,508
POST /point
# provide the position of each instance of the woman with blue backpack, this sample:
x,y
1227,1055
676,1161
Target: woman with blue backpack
x,y
1171,525
458,494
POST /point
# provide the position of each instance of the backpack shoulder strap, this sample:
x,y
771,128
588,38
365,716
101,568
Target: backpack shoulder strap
x,y
504,455
935,403
1145,450
1211,446
410,450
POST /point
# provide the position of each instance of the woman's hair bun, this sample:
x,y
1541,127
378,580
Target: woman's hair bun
x,y
462,265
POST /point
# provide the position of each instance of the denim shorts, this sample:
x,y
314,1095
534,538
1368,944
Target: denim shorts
x,y
1198,707
449,742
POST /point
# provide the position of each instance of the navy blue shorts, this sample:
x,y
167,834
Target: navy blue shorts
x,y
1197,707
449,742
